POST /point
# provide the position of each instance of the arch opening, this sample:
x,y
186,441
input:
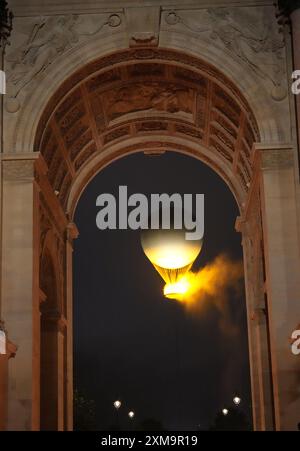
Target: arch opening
x,y
116,285
154,101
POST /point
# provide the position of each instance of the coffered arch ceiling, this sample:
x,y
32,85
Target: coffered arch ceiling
x,y
145,92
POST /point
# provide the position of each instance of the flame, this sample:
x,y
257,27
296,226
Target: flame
x,y
211,282
178,289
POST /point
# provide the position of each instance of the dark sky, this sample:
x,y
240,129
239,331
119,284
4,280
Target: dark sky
x,y
132,343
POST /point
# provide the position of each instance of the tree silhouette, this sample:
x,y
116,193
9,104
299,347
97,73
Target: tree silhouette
x,y
150,424
235,420
84,413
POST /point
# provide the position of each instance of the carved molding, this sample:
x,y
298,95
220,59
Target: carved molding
x,y
274,159
18,170
172,94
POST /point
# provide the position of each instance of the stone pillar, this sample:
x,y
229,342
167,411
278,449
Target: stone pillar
x,y
72,233
291,10
258,334
281,251
4,359
20,286
295,20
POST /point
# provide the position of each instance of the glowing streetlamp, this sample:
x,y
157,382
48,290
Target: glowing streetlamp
x,y
225,412
237,400
131,414
117,404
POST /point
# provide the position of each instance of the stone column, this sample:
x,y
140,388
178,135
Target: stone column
x,y
72,233
295,20
4,359
20,286
258,334
281,251
291,9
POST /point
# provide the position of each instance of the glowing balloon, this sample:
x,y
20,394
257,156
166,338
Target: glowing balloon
x,y
171,255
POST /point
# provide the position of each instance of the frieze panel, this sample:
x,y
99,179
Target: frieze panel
x,y
39,42
252,36
164,97
148,96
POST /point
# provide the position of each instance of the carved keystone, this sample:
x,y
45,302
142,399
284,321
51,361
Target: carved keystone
x,y
143,26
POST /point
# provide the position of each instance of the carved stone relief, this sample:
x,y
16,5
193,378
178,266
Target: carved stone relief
x,y
38,43
142,97
246,33
170,98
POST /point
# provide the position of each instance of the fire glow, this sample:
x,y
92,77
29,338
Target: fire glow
x,y
173,257
211,282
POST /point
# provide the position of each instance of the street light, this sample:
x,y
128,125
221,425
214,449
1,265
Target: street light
x,y
131,414
237,400
117,404
225,412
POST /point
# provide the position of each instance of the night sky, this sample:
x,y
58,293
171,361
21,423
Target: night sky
x,y
129,341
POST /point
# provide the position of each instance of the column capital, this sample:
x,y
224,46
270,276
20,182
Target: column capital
x,y
274,156
287,7
18,167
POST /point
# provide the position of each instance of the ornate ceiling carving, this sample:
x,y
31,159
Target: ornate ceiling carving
x,y
144,92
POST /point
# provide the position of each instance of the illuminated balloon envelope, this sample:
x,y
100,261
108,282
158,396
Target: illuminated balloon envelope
x,y
172,256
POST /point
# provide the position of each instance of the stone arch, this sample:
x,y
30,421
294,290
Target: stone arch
x,y
54,144
150,100
131,95
29,105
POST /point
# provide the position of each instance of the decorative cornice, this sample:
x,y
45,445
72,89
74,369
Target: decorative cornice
x,y
18,170
274,159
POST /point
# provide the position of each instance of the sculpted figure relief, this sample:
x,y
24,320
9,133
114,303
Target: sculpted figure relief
x,y
256,41
48,39
169,98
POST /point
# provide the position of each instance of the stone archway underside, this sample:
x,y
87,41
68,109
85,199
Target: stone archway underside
x,y
140,93
148,100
